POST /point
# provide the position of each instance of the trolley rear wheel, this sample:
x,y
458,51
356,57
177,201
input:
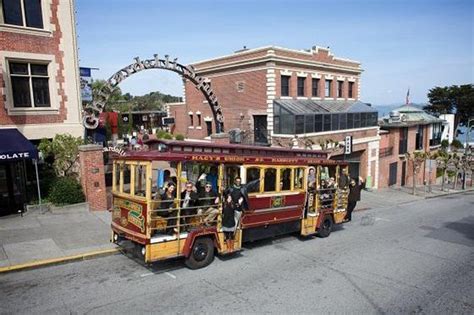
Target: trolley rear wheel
x,y
202,253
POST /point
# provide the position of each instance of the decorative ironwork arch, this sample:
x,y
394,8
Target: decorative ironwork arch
x,y
92,110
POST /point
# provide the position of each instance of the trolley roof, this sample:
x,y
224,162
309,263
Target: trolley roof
x,y
215,152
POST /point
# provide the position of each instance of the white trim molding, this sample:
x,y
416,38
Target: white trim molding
x,y
344,131
301,74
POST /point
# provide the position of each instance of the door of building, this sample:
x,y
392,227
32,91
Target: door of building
x,y
260,129
11,187
404,170
392,176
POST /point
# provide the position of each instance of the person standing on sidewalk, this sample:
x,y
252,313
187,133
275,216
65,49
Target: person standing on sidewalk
x,y
354,196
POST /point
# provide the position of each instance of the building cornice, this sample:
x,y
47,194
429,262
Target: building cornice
x,y
271,51
318,66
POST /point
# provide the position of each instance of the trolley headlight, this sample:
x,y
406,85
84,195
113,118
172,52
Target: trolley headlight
x,y
143,250
115,237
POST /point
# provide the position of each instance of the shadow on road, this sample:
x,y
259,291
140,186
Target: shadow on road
x,y
458,232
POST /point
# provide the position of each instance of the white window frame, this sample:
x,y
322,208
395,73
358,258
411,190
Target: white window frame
x,y
327,88
5,58
45,13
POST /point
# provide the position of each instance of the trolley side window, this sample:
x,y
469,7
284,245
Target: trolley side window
x,y
126,175
116,180
253,177
140,180
163,174
200,174
269,181
285,179
299,178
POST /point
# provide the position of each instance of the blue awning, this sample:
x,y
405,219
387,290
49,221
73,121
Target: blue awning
x,y
14,146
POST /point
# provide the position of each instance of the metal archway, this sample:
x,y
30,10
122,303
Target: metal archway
x,y
91,111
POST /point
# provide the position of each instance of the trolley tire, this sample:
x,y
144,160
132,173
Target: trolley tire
x,y
202,253
326,227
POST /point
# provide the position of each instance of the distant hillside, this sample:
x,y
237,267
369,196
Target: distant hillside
x,y
127,102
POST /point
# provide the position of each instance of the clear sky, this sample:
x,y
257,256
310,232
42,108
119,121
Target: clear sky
x,y
400,43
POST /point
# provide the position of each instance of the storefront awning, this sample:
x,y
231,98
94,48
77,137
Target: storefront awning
x,y
14,146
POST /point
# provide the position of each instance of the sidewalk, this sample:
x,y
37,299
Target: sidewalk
x,y
387,197
37,238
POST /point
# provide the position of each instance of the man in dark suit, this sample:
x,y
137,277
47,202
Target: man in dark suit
x,y
354,196
189,203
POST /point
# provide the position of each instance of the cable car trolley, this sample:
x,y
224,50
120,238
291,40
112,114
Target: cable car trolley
x,y
168,201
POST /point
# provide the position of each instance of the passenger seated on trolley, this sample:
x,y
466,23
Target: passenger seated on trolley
x,y
170,212
208,201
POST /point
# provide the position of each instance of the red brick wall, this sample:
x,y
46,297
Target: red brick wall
x,y
251,100
392,140
10,41
92,176
321,56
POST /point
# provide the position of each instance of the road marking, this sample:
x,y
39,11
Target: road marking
x,y
170,275
147,274
382,219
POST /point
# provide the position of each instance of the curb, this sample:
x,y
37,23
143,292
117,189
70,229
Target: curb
x,y
60,260
450,193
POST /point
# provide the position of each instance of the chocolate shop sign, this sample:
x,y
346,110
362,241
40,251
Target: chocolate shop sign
x,y
14,156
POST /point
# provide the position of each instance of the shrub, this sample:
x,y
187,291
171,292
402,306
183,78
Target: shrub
x,y
444,144
161,134
47,177
457,144
179,137
66,191
168,136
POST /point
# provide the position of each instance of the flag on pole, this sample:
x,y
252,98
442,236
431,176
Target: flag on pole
x,y
408,97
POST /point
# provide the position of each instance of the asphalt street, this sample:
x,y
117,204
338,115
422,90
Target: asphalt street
x,y
411,258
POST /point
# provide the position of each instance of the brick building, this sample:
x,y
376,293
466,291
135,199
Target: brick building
x,y
38,59
272,95
407,129
39,86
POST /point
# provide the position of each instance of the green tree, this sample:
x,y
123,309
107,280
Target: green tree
x,y
456,144
458,99
64,149
114,97
417,158
442,158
